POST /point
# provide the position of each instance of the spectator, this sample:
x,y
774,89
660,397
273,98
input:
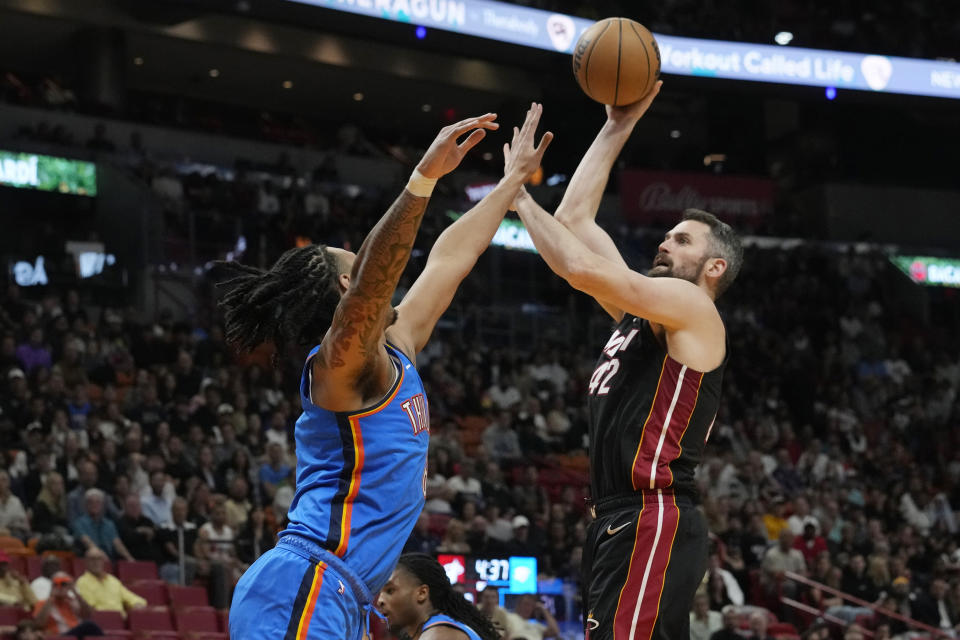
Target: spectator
x,y
801,516
758,626
155,503
504,394
206,468
103,591
809,544
13,518
34,353
76,499
933,608
774,519
217,538
14,589
704,622
64,612
722,586
255,538
178,539
138,533
50,515
500,440
93,530
238,505
531,620
455,538
465,485
522,545
853,632
490,606
275,472
421,540
42,584
778,560
729,630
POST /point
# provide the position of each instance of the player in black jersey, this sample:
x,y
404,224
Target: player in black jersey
x,y
652,398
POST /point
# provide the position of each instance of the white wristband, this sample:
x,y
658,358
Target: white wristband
x,y
420,185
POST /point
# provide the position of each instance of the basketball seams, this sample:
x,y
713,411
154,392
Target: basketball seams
x,y
586,60
616,86
646,55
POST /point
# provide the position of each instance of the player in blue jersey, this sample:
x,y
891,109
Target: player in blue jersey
x,y
361,440
420,604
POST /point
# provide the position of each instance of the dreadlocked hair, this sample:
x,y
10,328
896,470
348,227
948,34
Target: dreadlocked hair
x,y
442,596
292,303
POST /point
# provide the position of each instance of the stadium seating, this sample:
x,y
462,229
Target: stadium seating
x,y
131,571
153,591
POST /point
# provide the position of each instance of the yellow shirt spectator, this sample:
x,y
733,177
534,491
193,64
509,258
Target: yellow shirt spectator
x,y
106,593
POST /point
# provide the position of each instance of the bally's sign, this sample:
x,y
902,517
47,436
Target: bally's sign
x,y
659,197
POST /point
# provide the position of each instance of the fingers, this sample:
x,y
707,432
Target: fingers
x,y
472,140
532,121
544,143
653,93
483,122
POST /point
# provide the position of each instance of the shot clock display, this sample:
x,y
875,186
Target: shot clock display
x,y
515,574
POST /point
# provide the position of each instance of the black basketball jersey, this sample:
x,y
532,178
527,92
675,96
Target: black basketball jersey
x,y
650,416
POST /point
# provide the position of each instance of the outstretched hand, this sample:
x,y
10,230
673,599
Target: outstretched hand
x,y
520,157
444,154
631,113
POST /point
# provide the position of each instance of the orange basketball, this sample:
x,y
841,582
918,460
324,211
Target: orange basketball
x,y
616,61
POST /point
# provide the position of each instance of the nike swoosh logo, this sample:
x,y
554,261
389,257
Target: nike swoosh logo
x,y
613,531
408,366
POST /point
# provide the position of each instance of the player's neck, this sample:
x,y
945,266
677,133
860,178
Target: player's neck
x,y
415,632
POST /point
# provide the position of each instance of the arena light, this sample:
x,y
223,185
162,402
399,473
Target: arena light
x,y
771,63
783,38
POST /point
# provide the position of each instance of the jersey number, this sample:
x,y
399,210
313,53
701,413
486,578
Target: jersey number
x,y
600,381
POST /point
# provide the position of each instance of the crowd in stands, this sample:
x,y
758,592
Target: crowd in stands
x,y
833,456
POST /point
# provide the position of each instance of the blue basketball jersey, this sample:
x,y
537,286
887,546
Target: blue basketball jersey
x,y
441,619
361,476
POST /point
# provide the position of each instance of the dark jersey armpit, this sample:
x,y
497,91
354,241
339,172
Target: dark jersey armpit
x,y
650,416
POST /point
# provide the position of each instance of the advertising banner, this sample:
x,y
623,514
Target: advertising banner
x,y
932,272
681,56
47,173
659,197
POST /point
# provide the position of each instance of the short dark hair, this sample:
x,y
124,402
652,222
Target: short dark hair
x,y
724,243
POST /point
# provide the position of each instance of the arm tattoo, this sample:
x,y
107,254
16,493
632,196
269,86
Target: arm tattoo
x,y
359,319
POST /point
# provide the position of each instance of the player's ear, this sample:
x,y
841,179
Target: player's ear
x,y
423,594
716,267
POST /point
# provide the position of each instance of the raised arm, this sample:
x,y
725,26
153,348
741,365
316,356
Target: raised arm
x,y
672,302
353,347
458,247
578,209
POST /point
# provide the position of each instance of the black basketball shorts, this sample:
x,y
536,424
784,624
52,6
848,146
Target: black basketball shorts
x,y
645,556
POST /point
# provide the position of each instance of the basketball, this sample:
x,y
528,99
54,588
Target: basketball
x,y
616,61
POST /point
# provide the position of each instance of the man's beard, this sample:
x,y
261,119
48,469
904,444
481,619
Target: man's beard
x,y
666,269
